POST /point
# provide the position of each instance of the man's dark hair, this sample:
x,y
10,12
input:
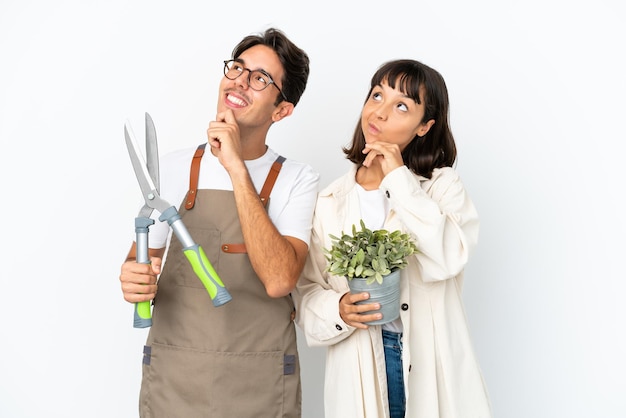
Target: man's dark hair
x,y
294,60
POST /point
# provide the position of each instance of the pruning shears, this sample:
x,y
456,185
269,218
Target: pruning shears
x,y
148,177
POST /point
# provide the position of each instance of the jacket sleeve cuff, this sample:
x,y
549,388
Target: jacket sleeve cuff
x,y
327,328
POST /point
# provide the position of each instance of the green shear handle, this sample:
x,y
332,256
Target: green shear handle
x,y
143,316
198,259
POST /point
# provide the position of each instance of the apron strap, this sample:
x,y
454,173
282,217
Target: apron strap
x,y
264,195
193,177
270,180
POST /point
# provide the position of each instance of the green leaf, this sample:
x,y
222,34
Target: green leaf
x,y
358,270
369,254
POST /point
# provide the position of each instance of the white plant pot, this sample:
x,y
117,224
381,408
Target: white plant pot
x,y
387,294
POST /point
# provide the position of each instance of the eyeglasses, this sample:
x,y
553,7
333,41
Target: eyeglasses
x,y
257,79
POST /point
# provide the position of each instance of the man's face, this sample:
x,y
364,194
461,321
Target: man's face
x,y
252,108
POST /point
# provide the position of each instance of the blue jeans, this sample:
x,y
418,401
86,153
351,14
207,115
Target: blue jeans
x,y
392,342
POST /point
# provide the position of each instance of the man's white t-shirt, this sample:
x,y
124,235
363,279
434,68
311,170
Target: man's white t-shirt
x,y
291,202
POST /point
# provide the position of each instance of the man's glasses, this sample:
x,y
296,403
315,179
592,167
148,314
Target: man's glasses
x,y
257,79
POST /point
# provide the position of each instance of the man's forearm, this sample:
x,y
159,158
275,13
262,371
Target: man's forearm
x,y
273,257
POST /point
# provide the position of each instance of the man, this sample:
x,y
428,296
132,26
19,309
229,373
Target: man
x,y
239,359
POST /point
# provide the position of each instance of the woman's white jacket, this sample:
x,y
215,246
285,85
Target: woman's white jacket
x,y
441,373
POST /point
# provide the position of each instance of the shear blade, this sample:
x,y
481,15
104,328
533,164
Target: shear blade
x,y
152,151
141,171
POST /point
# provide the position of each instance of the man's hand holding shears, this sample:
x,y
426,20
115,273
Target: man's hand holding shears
x,y
139,281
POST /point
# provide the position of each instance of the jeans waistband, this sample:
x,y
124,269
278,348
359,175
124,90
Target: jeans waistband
x,y
391,336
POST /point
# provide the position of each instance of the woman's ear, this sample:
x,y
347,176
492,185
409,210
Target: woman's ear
x,y
424,128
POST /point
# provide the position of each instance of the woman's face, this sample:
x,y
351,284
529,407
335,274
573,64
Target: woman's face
x,y
390,116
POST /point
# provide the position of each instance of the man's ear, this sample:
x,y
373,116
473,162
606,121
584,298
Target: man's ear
x,y
283,110
424,128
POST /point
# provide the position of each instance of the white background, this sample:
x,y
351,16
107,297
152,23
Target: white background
x,y
537,107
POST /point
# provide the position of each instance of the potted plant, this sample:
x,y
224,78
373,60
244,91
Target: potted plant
x,y
371,261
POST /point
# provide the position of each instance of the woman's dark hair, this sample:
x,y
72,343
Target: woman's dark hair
x,y
436,149
294,60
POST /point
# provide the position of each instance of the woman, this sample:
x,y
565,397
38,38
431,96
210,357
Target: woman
x,y
421,364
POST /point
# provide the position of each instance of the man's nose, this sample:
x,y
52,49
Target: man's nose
x,y
244,79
